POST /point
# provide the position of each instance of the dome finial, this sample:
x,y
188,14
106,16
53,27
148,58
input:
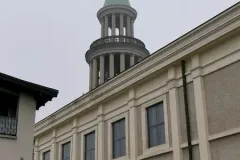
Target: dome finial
x,y
117,2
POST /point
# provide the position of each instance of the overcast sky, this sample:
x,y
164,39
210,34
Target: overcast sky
x,y
44,41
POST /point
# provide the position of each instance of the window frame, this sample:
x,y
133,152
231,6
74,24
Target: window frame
x,y
85,144
86,132
69,142
145,141
43,153
110,135
155,125
62,142
119,139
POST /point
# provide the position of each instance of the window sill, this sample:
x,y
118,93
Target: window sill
x,y
158,150
8,137
121,158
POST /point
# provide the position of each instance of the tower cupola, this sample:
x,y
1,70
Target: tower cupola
x,y
117,49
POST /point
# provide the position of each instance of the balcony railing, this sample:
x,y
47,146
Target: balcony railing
x,y
8,126
117,39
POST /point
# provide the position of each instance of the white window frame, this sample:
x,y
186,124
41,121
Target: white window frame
x,y
90,130
110,136
67,140
144,106
43,151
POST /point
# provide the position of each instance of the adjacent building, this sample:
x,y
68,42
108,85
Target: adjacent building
x,y
179,103
18,102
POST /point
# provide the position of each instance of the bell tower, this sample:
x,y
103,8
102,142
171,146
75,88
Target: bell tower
x,y
117,49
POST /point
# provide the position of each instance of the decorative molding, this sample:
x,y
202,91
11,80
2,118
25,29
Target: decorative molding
x,y
224,134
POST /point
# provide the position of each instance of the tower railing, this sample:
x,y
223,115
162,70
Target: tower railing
x,y
117,39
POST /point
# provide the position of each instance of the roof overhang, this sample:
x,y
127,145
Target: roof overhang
x,y
41,94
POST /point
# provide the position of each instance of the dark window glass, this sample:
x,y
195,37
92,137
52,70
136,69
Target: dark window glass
x,y
66,151
156,129
46,155
119,139
90,146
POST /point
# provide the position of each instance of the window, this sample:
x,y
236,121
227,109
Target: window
x,y
156,126
119,139
66,151
90,146
8,113
46,155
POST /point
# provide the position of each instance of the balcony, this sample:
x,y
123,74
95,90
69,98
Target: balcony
x,y
117,39
117,42
8,126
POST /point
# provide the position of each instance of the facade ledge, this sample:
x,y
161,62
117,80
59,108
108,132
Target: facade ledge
x,y
154,152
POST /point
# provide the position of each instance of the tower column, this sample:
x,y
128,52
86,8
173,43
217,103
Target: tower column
x,y
132,59
102,69
102,27
122,62
121,25
128,26
106,26
113,24
94,76
132,27
111,65
90,75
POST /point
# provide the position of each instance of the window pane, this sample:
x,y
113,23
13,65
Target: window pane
x,y
46,155
152,116
122,147
161,132
156,129
153,136
90,146
119,138
66,151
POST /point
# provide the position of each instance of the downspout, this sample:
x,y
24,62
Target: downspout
x,y
185,94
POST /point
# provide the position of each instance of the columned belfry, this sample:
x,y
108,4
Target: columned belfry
x,y
117,49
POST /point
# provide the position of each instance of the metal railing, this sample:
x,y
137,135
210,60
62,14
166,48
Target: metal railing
x,y
8,126
117,39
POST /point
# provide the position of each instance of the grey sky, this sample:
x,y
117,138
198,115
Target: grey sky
x,y
44,41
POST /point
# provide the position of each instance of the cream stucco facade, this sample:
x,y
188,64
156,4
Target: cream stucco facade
x,y
23,142
212,56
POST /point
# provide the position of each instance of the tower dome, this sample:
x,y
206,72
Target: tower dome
x,y
116,2
117,49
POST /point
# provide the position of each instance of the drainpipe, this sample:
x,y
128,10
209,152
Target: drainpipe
x,y
185,94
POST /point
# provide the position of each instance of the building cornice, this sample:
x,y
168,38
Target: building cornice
x,y
206,33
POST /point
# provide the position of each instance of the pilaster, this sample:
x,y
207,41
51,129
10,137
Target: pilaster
x,y
36,150
174,111
53,152
133,125
201,112
74,140
100,138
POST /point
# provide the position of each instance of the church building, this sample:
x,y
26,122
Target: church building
x,y
179,103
